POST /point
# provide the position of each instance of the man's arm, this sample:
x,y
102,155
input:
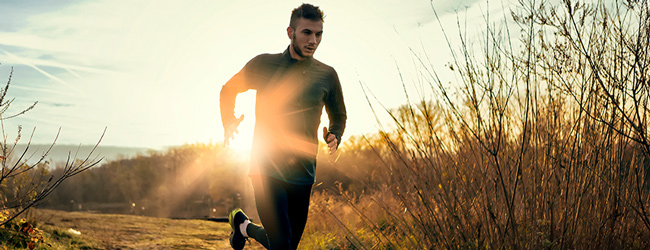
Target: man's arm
x,y
237,84
227,97
335,108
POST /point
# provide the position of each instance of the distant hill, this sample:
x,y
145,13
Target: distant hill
x,y
59,153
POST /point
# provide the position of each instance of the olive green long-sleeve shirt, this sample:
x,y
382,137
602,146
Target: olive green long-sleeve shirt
x,y
290,98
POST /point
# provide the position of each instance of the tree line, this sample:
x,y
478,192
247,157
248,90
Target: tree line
x,y
191,180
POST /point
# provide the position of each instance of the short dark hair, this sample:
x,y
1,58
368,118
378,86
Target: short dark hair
x,y
306,11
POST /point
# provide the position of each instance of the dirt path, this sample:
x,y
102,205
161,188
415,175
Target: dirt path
x,y
110,231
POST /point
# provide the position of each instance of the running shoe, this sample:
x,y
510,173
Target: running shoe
x,y
236,218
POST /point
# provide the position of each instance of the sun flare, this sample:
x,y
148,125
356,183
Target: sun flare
x,y
241,146
243,141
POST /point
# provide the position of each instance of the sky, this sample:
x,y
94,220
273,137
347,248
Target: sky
x,y
150,72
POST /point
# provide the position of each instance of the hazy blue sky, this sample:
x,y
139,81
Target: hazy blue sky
x,y
151,71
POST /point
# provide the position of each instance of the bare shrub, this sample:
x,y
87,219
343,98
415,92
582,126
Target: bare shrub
x,y
24,185
539,147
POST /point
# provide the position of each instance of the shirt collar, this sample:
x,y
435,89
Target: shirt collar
x,y
286,55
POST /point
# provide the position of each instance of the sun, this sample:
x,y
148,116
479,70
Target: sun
x,y
243,141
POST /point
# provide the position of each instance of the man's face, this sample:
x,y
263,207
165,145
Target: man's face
x,y
305,38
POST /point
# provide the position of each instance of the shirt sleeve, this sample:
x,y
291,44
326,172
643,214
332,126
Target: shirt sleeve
x,y
335,108
239,83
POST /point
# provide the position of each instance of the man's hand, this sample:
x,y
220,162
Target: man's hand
x,y
231,129
331,141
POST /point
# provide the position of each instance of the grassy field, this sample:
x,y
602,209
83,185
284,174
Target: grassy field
x,y
110,231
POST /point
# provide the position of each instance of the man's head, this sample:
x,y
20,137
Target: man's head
x,y
305,31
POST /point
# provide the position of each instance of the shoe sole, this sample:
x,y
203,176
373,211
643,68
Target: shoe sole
x,y
231,221
231,217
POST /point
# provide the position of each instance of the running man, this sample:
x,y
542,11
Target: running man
x,y
292,89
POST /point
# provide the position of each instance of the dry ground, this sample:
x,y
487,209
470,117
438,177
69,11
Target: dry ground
x,y
110,231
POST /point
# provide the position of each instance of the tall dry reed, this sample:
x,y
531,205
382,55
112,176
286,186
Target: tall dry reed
x,y
540,147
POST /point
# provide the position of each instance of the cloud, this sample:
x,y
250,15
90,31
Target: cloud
x,y
25,62
47,60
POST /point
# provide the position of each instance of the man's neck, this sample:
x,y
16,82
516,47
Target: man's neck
x,y
295,55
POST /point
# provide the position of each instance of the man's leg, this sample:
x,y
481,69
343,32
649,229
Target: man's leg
x,y
258,233
272,207
298,209
283,210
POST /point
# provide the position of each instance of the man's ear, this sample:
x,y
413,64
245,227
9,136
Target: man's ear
x,y
290,32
